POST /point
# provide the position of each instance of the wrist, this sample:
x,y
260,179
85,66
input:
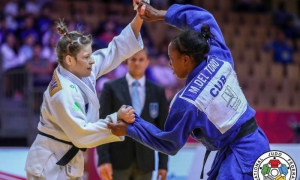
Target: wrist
x,y
161,14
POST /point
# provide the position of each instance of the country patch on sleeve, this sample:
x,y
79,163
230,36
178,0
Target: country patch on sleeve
x,y
54,85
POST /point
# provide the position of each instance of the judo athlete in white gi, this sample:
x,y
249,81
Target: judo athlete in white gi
x,y
69,120
211,107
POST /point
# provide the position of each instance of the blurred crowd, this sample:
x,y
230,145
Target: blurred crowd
x,y
28,35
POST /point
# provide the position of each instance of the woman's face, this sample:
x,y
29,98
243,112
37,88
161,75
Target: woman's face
x,y
177,62
83,66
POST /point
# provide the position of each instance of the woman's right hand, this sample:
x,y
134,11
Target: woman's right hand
x,y
126,114
150,13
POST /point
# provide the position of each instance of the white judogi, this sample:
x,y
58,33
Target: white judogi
x,y
70,112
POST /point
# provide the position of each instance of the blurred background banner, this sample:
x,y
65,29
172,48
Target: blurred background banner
x,y
263,36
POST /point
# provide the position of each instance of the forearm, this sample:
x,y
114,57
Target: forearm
x,y
154,138
120,48
136,25
160,14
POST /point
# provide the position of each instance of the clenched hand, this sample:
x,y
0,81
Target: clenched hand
x,y
126,114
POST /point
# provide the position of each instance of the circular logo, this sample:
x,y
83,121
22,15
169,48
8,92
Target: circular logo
x,y
274,165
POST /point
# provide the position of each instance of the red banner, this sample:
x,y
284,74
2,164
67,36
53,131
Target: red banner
x,y
276,125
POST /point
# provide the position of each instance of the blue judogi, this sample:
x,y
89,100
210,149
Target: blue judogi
x,y
211,107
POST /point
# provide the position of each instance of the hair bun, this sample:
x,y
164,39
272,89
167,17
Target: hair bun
x,y
61,28
205,31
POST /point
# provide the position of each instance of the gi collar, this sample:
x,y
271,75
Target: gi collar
x,y
196,71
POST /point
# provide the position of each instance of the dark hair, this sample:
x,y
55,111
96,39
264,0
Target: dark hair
x,y
193,43
70,43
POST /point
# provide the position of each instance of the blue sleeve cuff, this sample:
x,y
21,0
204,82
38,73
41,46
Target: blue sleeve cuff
x,y
130,129
170,14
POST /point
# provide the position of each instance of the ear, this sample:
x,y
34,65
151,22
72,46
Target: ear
x,y
187,59
68,60
147,62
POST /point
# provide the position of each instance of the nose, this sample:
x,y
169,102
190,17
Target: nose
x,y
137,62
92,61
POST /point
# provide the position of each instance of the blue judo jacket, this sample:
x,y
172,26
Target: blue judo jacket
x,y
211,107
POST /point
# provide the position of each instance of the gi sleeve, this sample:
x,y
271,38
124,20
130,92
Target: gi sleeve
x,y
74,124
178,127
187,17
120,48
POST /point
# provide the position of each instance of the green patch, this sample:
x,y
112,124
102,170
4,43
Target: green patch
x,y
76,107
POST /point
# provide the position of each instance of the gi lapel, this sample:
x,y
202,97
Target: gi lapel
x,y
86,88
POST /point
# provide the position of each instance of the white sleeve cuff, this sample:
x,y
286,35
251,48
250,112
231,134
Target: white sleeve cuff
x,y
113,117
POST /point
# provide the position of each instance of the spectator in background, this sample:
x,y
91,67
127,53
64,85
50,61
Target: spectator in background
x,y
28,28
39,67
26,50
48,51
9,52
32,7
130,160
11,11
20,17
11,8
41,74
49,33
281,49
12,63
44,21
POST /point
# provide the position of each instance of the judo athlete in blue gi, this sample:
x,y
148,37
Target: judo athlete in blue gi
x,y
211,107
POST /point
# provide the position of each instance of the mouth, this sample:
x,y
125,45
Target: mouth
x,y
90,69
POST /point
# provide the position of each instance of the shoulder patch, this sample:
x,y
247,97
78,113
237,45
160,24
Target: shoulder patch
x,y
54,85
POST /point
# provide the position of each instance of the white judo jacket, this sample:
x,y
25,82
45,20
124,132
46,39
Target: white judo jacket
x,y
70,112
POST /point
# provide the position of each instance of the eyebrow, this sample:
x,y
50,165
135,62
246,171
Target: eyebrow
x,y
87,54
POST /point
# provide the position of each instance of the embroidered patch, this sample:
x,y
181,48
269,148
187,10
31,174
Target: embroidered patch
x,y
73,87
76,107
153,110
54,85
198,84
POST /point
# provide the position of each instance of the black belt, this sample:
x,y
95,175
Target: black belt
x,y
247,128
69,155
